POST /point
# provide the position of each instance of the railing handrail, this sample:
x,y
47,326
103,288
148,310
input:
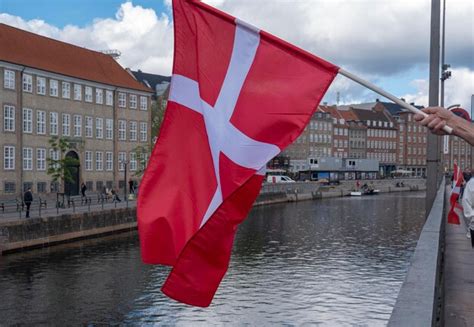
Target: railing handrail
x,y
417,303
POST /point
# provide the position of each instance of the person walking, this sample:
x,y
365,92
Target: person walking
x,y
27,199
83,190
131,187
468,208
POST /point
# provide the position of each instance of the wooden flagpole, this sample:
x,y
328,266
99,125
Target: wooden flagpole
x,y
389,96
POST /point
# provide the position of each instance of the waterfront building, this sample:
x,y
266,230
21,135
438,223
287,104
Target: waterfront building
x,y
340,145
55,89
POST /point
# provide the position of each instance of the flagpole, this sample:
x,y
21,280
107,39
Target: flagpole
x,y
389,96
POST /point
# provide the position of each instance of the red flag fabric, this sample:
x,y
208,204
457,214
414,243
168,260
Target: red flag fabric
x,y
458,179
238,97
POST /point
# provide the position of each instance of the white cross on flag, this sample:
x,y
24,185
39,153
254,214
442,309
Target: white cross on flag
x,y
238,97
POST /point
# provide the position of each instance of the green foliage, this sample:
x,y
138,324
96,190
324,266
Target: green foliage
x,y
58,169
142,154
157,114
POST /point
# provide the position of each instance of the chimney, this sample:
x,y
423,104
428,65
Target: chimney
x,y
377,100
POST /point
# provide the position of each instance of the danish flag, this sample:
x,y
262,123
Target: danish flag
x,y
238,97
458,179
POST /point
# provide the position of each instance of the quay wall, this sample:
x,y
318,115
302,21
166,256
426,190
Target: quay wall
x,y
20,234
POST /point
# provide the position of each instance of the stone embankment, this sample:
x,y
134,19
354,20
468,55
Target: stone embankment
x,y
30,233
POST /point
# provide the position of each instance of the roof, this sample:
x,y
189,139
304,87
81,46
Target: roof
x,y
36,51
364,115
152,80
348,115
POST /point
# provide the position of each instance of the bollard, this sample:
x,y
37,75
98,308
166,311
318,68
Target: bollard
x,y
89,206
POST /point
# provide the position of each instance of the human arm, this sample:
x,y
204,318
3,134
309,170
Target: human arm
x,y
439,117
468,200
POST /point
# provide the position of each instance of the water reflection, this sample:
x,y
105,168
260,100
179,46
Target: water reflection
x,y
333,262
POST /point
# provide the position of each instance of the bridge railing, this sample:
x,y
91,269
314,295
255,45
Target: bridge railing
x,y
419,300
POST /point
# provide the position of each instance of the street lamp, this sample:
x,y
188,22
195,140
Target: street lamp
x,y
124,163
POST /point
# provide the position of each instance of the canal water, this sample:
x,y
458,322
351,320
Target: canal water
x,y
334,262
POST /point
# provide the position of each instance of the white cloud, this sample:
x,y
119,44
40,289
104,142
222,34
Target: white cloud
x,y
376,39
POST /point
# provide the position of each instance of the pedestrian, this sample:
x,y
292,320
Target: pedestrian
x,y
27,199
131,187
83,190
439,117
468,208
115,196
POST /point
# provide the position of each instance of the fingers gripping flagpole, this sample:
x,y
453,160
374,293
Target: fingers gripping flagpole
x,y
389,96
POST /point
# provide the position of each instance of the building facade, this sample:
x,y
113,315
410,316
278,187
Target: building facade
x,y
52,89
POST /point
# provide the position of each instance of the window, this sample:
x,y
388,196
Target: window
x,y
122,100
109,161
133,131
122,156
99,185
66,125
77,92
54,156
90,185
41,159
8,157
133,101
41,187
9,79
99,161
53,123
99,96
89,123
109,129
41,85
40,122
9,187
88,94
88,160
66,90
27,120
77,125
27,83
143,132
27,158
99,128
122,130
53,88
109,98
8,118
133,161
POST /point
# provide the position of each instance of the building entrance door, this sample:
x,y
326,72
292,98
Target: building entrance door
x,y
72,187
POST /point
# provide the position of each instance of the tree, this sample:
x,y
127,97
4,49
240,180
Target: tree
x,y
142,153
58,163
157,114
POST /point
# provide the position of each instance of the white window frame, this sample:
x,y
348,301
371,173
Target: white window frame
x,y
40,85
109,129
133,131
122,100
27,120
109,98
78,92
122,156
133,101
88,94
143,132
99,128
99,96
99,161
54,155
41,159
41,122
27,83
143,103
77,125
133,161
9,157
27,158
8,118
53,123
109,161
66,90
66,124
53,88
122,130
88,160
89,127
9,79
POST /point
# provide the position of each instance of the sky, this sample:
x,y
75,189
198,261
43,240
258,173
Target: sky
x,y
383,41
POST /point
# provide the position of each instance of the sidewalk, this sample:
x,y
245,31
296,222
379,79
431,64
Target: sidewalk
x,y
458,277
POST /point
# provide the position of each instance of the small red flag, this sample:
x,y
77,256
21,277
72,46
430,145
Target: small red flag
x,y
458,179
238,97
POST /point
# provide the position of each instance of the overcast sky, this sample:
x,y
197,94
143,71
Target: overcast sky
x,y
384,41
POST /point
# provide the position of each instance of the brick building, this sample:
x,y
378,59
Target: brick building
x,y
55,89
340,145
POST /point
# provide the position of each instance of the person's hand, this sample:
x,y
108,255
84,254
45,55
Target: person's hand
x,y
436,120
